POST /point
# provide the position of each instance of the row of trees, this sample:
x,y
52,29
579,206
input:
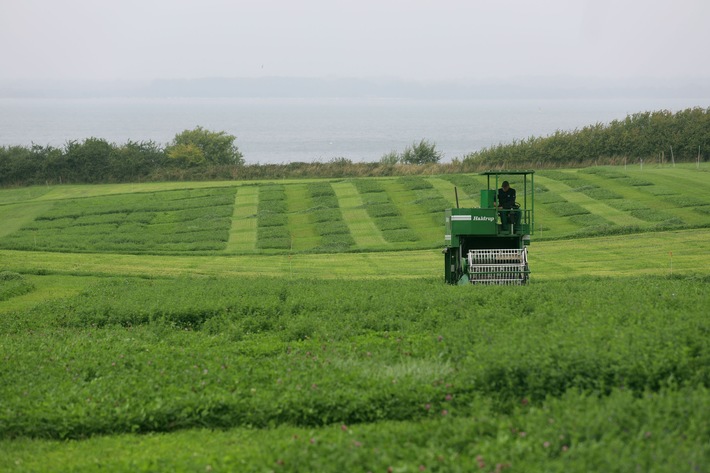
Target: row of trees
x,y
201,154
649,135
96,160
197,154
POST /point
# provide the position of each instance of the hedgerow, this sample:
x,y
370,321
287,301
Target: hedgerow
x,y
640,136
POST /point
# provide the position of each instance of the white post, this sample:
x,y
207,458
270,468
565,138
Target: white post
x,y
698,165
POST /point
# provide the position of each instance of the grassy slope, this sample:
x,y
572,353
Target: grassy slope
x,y
674,193
446,444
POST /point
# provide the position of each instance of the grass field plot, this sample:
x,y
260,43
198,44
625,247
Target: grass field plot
x,y
272,218
242,234
447,191
362,228
467,185
304,235
327,218
422,209
169,221
379,206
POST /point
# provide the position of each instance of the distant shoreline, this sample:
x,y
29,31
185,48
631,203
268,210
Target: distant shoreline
x,y
314,87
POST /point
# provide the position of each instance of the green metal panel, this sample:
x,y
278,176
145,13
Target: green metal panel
x,y
473,222
488,198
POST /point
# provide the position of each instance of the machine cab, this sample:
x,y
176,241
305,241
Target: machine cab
x,y
496,232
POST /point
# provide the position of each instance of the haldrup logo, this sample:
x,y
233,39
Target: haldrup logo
x,y
483,219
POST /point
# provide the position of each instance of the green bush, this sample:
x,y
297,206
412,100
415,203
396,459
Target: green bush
x,y
424,152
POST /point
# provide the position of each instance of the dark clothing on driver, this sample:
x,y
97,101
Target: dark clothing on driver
x,y
506,200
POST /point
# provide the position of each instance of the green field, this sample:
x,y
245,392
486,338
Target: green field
x,y
303,325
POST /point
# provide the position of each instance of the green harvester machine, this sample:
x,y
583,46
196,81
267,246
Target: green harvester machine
x,y
489,245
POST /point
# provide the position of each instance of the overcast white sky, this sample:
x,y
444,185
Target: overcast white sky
x,y
410,39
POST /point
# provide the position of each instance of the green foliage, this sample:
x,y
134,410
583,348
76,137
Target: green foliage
x,y
646,135
186,154
574,433
338,373
197,146
89,159
423,152
391,158
142,355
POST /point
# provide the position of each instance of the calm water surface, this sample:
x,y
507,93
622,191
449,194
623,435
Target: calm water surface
x,y
286,130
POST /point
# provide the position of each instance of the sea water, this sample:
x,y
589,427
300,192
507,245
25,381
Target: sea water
x,y
306,130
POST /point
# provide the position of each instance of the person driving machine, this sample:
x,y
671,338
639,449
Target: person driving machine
x,y
507,206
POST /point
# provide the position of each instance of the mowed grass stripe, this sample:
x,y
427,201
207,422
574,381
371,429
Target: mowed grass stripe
x,y
446,189
416,217
691,185
642,254
362,228
688,176
242,235
63,191
303,234
687,181
603,209
640,195
15,216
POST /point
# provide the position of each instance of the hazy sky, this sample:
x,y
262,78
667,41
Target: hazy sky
x,y
411,39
